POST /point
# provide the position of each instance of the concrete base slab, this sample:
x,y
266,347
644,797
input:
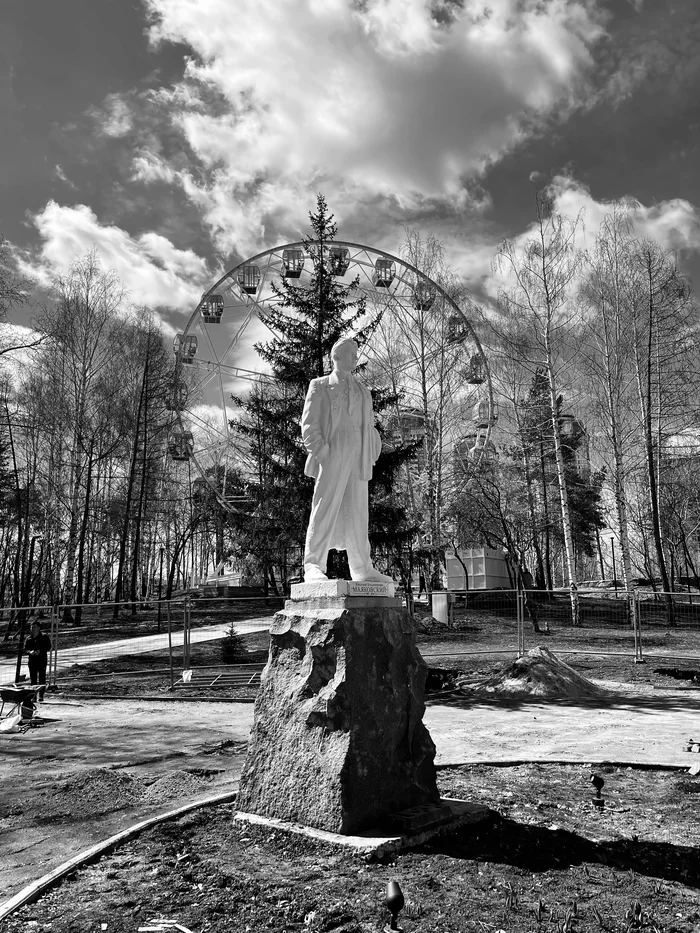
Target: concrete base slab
x,y
375,843
343,602
318,589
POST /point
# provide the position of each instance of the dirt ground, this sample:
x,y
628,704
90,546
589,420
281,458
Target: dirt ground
x,y
52,811
547,859
94,767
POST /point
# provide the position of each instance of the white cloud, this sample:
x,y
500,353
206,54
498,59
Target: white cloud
x,y
154,272
61,175
384,98
114,117
673,224
148,167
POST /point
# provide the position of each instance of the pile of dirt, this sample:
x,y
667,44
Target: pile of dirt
x,y
101,791
176,785
539,673
97,791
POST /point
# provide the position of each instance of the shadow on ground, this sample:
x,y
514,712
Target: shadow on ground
x,y
459,699
539,849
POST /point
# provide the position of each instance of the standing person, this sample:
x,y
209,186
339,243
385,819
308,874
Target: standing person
x,y
37,647
337,428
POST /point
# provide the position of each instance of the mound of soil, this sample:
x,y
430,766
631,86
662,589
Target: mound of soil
x,y
101,791
539,673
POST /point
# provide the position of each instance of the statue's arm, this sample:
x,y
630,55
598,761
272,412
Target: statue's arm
x,y
375,436
376,444
311,435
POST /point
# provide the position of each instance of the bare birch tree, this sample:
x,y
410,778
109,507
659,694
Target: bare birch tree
x,y
540,315
80,361
607,356
663,325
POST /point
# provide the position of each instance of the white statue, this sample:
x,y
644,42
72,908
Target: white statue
x,y
338,431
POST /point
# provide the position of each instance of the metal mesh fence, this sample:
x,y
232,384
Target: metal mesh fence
x,y
224,641
669,625
99,641
604,625
475,625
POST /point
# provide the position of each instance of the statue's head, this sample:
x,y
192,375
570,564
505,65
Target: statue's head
x,y
344,353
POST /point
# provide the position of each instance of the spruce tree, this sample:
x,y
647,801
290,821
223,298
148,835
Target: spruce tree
x,y
307,320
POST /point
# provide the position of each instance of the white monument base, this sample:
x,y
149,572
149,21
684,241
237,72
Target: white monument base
x,y
323,589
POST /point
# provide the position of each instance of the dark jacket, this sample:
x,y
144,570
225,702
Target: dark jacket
x,y
38,647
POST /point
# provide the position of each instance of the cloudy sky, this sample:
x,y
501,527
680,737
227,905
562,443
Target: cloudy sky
x,y
180,136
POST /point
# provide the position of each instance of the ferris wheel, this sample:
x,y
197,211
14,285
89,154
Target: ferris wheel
x,y
423,347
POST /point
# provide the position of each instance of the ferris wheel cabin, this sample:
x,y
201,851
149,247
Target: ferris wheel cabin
x,y
423,296
338,260
249,279
384,272
457,329
212,309
292,263
484,414
181,445
476,371
185,347
200,489
484,448
177,396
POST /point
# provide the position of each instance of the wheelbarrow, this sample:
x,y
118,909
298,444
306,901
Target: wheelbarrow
x,y
20,700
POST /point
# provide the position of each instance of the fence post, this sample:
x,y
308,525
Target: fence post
x,y
186,634
638,651
170,648
520,615
52,655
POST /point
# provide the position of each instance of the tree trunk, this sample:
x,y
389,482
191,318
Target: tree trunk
x,y
129,497
547,523
142,492
619,468
644,389
563,493
83,535
532,512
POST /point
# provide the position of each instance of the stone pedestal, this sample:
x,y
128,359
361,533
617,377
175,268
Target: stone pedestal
x,y
338,741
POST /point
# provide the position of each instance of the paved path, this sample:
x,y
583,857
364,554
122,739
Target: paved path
x,y
140,645
650,728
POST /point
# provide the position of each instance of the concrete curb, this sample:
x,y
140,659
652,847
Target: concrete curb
x,y
36,889
591,762
170,699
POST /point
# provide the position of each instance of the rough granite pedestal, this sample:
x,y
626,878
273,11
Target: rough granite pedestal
x,y
338,741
